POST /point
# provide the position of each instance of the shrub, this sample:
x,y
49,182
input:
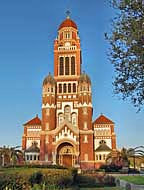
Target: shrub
x,y
13,182
111,168
133,171
36,166
65,182
36,178
85,181
73,173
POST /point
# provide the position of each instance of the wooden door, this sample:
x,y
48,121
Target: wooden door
x,y
67,160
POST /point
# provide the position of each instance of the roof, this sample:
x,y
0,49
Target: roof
x,y
103,120
103,147
49,79
68,23
84,78
33,148
34,121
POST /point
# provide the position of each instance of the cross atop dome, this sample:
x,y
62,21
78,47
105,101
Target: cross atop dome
x,y
68,14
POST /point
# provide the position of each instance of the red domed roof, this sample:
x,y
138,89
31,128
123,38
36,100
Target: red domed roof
x,y
68,23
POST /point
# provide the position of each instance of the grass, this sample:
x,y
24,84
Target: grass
x,y
105,188
23,170
138,180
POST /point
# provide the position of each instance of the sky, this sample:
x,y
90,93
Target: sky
x,y
27,32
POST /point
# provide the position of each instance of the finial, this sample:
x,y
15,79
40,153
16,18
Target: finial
x,y
101,113
36,115
68,14
49,73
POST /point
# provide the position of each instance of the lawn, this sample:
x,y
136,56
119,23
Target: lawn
x,y
138,180
105,188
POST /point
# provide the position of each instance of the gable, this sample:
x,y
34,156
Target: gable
x,y
66,132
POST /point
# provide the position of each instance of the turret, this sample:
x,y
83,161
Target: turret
x,y
85,102
85,120
48,103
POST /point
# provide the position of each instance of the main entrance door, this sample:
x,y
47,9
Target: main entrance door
x,y
67,160
65,155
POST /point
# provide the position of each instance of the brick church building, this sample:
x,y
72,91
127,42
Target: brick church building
x,y
66,134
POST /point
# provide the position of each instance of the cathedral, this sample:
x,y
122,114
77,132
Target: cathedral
x,y
66,134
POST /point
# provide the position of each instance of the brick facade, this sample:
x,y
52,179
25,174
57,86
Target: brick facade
x,y
66,135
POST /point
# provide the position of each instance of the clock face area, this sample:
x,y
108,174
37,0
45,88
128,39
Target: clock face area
x,y
67,44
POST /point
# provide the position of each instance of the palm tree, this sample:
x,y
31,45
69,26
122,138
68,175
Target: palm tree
x,y
4,154
10,155
122,157
15,155
136,152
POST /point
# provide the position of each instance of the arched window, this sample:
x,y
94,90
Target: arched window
x,y
72,65
67,112
74,118
60,88
60,118
67,66
61,66
74,87
64,88
100,157
69,88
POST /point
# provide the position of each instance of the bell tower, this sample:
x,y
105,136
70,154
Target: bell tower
x,y
67,51
67,106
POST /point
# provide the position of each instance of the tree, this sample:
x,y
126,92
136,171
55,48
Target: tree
x,y
15,155
122,157
4,155
126,51
137,152
10,155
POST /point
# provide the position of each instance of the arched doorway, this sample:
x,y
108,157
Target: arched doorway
x,y
66,155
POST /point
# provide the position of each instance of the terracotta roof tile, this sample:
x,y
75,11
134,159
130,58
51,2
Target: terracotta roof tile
x,y
103,120
34,121
68,23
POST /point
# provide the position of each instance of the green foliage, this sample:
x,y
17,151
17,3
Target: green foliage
x,y
36,178
111,168
65,182
23,178
95,180
127,49
10,155
14,182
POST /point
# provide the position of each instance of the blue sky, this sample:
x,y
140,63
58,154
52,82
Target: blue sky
x,y
27,31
